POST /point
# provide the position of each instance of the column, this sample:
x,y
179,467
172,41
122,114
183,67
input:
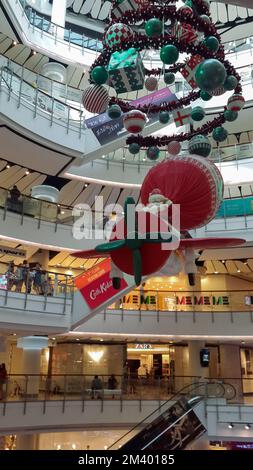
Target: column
x,y
181,368
58,16
196,370
230,368
32,346
27,442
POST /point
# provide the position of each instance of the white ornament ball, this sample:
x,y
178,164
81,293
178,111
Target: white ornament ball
x,y
134,121
151,83
174,147
236,102
95,99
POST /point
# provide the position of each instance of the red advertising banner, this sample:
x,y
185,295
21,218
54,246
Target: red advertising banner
x,y
96,285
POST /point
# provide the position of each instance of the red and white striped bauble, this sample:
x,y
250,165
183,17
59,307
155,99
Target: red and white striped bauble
x,y
235,102
151,83
95,99
134,121
174,147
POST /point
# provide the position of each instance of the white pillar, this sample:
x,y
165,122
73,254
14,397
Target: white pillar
x,y
32,346
58,16
27,442
230,367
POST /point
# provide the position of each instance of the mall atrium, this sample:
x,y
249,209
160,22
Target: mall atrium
x,y
126,224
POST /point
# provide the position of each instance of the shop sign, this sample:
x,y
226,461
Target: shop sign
x,y
143,346
96,285
137,300
202,300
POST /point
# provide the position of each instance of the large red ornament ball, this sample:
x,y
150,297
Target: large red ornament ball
x,y
153,256
151,83
174,147
134,121
95,99
191,181
235,102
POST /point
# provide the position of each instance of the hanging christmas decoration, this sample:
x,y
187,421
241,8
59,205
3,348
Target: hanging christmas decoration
x,y
219,134
230,116
134,121
174,147
95,99
114,111
197,113
164,117
200,145
151,83
99,75
191,33
153,153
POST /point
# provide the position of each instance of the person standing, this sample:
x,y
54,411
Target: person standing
x,y
3,380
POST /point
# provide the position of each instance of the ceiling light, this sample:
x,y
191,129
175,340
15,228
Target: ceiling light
x,y
223,261
27,172
230,426
82,266
77,339
216,272
53,339
86,184
34,52
242,342
73,446
247,427
96,355
105,447
101,339
58,446
8,166
14,43
238,270
245,262
62,212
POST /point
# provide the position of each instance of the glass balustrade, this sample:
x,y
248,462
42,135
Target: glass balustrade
x,y
42,23
216,301
52,108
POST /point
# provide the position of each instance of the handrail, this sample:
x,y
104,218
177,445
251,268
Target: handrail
x,y
46,25
52,106
190,388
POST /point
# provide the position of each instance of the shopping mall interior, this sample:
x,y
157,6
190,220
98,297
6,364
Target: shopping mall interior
x,y
126,225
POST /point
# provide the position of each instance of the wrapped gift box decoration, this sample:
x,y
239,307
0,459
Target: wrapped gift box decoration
x,y
126,71
190,68
124,6
185,32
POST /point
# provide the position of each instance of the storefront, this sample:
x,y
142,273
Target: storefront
x,y
151,360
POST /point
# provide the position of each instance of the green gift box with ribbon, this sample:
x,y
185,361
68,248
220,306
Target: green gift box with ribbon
x,y
126,71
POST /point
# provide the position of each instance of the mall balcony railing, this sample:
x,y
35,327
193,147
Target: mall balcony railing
x,y
23,285
53,108
82,41
60,34
69,387
158,303
61,214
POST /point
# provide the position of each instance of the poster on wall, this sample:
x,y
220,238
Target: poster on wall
x,y
106,129
96,285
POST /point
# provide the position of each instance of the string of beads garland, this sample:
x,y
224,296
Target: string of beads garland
x,y
165,28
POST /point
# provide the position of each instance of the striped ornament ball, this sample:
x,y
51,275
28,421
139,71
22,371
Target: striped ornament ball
x,y
95,99
236,102
134,121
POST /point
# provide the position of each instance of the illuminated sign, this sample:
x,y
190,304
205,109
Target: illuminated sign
x,y
143,346
202,300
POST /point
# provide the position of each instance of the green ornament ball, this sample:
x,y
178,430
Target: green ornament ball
x,y
198,113
153,153
169,78
164,117
219,134
205,96
114,111
99,75
200,145
212,43
169,54
230,116
134,148
210,74
153,28
230,82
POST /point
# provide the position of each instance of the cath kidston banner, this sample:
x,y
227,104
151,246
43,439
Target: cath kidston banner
x,y
96,286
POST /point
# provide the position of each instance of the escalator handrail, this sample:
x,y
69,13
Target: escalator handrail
x,y
191,388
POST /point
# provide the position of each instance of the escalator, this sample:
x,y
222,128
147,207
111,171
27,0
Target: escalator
x,y
178,425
